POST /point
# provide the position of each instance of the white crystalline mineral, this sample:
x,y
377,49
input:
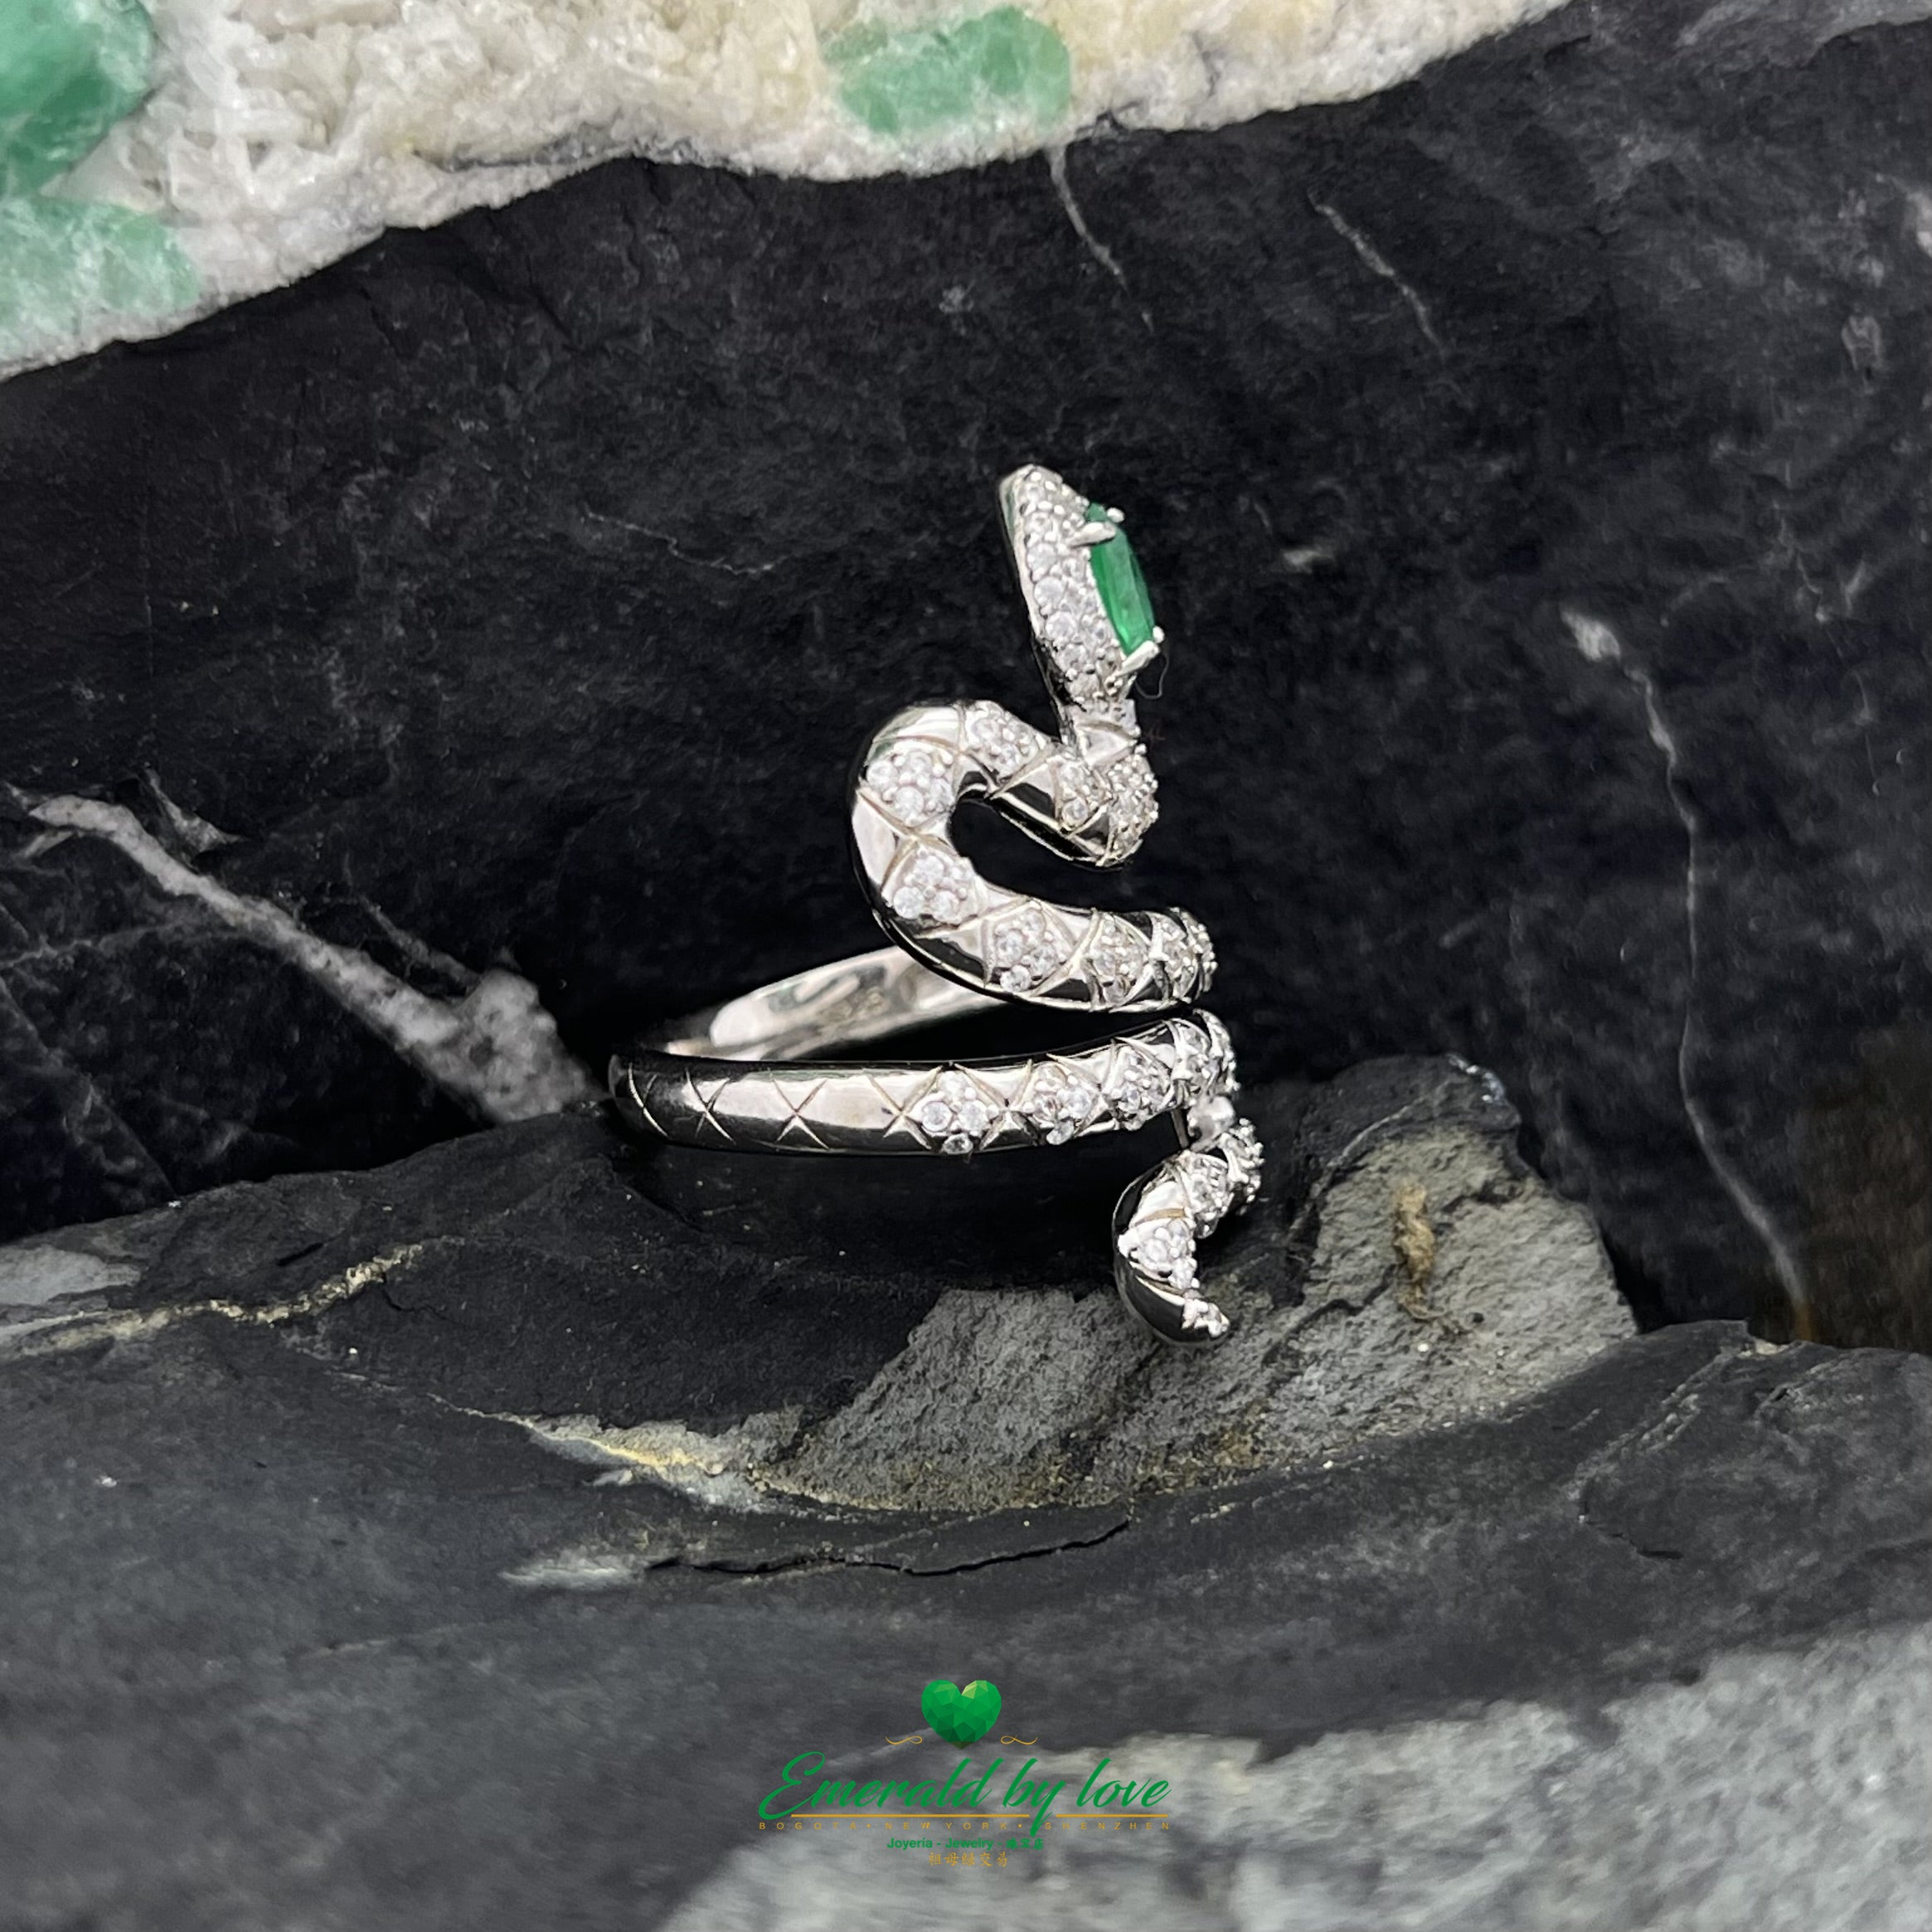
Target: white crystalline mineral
x,y
281,133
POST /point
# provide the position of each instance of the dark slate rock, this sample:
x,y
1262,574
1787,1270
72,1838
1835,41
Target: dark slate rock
x,y
1547,685
289,1643
1344,1123
524,1271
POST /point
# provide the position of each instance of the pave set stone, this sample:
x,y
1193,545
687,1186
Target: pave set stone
x,y
1059,1103
1208,1186
1116,959
1191,1193
913,782
1138,1087
1001,742
1133,800
1163,1248
1123,1084
1197,1312
957,1113
1011,750
1203,1057
1241,1147
1078,794
1026,945
1028,949
1200,947
1224,1175
933,886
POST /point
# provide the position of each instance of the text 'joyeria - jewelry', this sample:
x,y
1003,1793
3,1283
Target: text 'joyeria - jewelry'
x,y
740,1076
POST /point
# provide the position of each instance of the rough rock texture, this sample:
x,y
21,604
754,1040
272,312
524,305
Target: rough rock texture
x,y
307,1627
1530,463
1403,1269
1699,1805
553,1274
360,115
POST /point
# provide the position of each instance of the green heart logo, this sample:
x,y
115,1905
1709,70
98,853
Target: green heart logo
x,y
960,1716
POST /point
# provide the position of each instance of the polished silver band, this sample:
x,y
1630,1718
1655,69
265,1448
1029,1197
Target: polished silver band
x,y
732,1078
742,1077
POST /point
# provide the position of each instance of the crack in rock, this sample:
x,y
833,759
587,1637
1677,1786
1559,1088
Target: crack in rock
x,y
1598,643
1056,168
1377,263
924,1546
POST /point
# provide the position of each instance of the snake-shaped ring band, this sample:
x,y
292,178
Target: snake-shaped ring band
x,y
741,1076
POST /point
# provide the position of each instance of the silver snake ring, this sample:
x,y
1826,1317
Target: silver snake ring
x,y
741,1076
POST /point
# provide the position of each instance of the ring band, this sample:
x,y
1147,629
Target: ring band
x,y
740,1076
728,1084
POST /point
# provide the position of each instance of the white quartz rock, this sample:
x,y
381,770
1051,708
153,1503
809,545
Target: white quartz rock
x,y
283,133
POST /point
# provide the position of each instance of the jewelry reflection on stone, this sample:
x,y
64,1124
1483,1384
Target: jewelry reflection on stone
x,y
741,1076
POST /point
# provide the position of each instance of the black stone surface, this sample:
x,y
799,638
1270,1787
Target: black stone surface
x,y
529,1270
307,1623
534,579
289,1643
553,1268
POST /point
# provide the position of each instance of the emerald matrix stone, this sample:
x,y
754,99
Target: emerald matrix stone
x,y
1123,590
915,79
69,70
68,264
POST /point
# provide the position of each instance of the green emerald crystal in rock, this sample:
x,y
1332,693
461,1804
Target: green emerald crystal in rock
x,y
914,81
65,266
1123,590
69,70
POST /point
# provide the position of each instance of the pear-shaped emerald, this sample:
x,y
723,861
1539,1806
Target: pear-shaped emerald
x,y
1123,590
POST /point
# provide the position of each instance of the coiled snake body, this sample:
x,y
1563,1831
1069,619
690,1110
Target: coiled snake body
x,y
962,942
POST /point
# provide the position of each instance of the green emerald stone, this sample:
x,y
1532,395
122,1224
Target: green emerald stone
x,y
912,81
69,265
69,70
1123,590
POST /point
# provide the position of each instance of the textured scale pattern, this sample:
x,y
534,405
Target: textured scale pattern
x,y
1091,795
962,941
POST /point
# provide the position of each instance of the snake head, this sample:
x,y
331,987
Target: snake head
x,y
1086,599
